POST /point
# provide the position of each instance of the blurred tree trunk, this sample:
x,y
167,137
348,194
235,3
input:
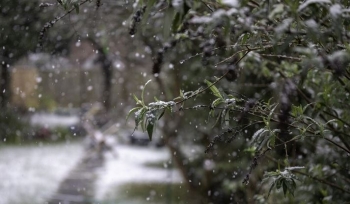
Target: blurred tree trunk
x,y
4,85
106,65
169,132
107,71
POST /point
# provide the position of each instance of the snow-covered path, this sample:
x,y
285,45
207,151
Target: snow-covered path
x,y
31,174
129,167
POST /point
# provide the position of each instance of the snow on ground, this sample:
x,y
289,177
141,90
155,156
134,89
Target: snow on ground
x,y
51,120
128,167
31,174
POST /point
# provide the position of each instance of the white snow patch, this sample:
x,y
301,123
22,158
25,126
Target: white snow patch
x,y
129,167
233,3
335,10
31,174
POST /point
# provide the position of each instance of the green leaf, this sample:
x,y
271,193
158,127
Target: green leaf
x,y
273,138
213,88
168,19
139,116
223,116
216,102
294,185
290,185
150,130
138,102
271,187
218,118
271,113
150,4
143,91
176,22
227,118
76,6
285,188
279,183
245,38
161,114
182,94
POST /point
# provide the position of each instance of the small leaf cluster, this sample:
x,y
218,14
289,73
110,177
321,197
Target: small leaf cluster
x,y
282,179
147,115
69,4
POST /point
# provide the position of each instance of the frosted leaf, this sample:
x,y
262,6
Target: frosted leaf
x,y
339,57
283,26
335,10
279,8
162,103
258,133
200,20
177,3
294,168
312,24
232,3
219,13
231,100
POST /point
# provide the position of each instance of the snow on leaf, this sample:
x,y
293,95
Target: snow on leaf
x,y
308,2
312,24
279,8
294,168
283,26
257,134
232,3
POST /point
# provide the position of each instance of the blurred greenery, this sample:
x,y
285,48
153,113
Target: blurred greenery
x,y
155,193
160,164
275,104
12,128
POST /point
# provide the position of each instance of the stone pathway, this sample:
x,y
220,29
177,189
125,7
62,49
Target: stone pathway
x,y
78,186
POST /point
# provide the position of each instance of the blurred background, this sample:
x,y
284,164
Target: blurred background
x,y
70,70
66,89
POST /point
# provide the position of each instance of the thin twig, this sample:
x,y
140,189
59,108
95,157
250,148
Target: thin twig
x,y
281,56
248,49
215,82
323,181
206,5
309,176
49,24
